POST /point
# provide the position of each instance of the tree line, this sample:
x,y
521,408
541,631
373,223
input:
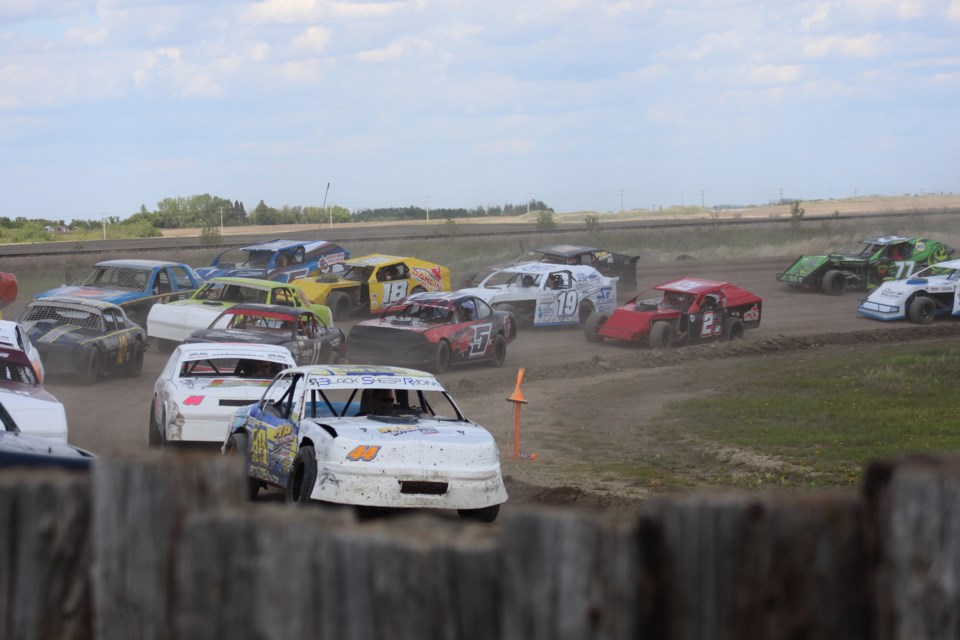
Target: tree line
x,y
209,212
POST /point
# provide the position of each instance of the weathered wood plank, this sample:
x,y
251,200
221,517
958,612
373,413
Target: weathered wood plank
x,y
738,565
44,554
139,507
300,573
573,574
913,510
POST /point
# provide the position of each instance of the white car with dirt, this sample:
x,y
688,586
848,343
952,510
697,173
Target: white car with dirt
x,y
369,436
543,294
926,294
203,385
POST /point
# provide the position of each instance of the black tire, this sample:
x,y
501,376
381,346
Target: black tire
x,y
441,360
586,310
91,368
166,346
135,366
661,335
499,351
303,476
834,283
923,310
237,446
339,304
486,514
733,329
592,327
153,431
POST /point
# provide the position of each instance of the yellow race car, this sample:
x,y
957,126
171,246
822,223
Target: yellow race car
x,y
372,283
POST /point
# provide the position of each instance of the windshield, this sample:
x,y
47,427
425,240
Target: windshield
x,y
357,272
62,316
424,313
384,404
230,367
503,278
126,278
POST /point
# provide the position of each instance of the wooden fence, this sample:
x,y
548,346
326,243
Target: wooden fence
x,y
164,546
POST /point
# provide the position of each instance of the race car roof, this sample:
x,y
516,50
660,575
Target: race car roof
x,y
142,264
279,245
208,350
949,264
368,377
278,311
373,260
692,285
885,240
8,335
71,301
547,267
255,283
13,353
434,298
565,250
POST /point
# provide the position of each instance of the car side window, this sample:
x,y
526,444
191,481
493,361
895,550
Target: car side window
x,y
110,320
181,279
278,399
483,309
468,311
402,271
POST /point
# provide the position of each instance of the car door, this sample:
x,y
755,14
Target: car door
x,y
387,285
473,335
273,426
709,317
558,301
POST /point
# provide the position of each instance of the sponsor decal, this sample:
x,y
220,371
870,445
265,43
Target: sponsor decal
x,y
399,431
193,401
753,314
431,278
920,247
363,453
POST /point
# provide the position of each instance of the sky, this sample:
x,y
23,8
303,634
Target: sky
x,y
107,106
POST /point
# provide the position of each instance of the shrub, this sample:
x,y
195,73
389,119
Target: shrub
x,y
545,221
210,235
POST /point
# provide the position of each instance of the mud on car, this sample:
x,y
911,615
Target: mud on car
x,y
881,259
690,310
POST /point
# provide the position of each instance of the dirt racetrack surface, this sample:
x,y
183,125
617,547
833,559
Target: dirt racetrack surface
x,y
570,384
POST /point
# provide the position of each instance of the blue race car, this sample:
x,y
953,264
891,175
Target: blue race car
x,y
279,260
134,285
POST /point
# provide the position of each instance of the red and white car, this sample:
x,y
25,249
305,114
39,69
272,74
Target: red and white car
x,y
203,385
690,310
33,408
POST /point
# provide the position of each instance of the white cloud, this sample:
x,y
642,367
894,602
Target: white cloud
x,y
717,43
86,36
774,74
400,48
298,11
819,16
313,39
507,146
866,46
260,51
953,11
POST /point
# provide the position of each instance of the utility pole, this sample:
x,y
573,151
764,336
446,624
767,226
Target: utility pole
x,y
426,205
701,199
621,200
103,220
325,208
527,198
221,222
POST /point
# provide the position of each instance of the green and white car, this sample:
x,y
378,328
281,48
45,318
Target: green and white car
x,y
172,323
883,258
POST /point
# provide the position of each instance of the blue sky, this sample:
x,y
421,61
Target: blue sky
x,y
106,106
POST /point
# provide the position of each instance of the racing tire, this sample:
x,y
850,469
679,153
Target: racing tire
x,y
509,308
486,514
303,476
834,283
441,361
91,368
592,327
153,431
237,446
166,346
586,310
499,352
733,329
922,310
661,335
339,304
135,366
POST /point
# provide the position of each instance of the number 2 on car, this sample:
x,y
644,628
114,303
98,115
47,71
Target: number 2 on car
x,y
362,452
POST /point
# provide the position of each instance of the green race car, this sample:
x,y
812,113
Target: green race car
x,y
883,258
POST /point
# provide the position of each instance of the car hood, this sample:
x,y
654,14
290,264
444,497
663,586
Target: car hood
x,y
896,292
21,449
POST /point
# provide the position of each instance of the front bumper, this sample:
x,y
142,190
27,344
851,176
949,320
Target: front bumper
x,y
880,311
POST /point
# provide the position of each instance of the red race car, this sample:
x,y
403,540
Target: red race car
x,y
434,330
8,289
691,310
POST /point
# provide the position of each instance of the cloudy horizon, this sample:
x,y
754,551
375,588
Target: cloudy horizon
x,y
110,105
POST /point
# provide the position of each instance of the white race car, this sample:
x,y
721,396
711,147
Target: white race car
x,y
367,435
928,293
203,384
545,294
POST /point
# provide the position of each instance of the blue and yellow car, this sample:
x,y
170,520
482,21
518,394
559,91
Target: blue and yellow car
x,y
87,338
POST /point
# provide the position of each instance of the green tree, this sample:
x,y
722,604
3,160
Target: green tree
x,y
545,220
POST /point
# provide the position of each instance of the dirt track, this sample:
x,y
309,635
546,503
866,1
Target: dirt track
x,y
566,376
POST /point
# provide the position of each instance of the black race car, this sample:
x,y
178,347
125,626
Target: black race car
x,y
85,337
300,330
606,262
434,331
